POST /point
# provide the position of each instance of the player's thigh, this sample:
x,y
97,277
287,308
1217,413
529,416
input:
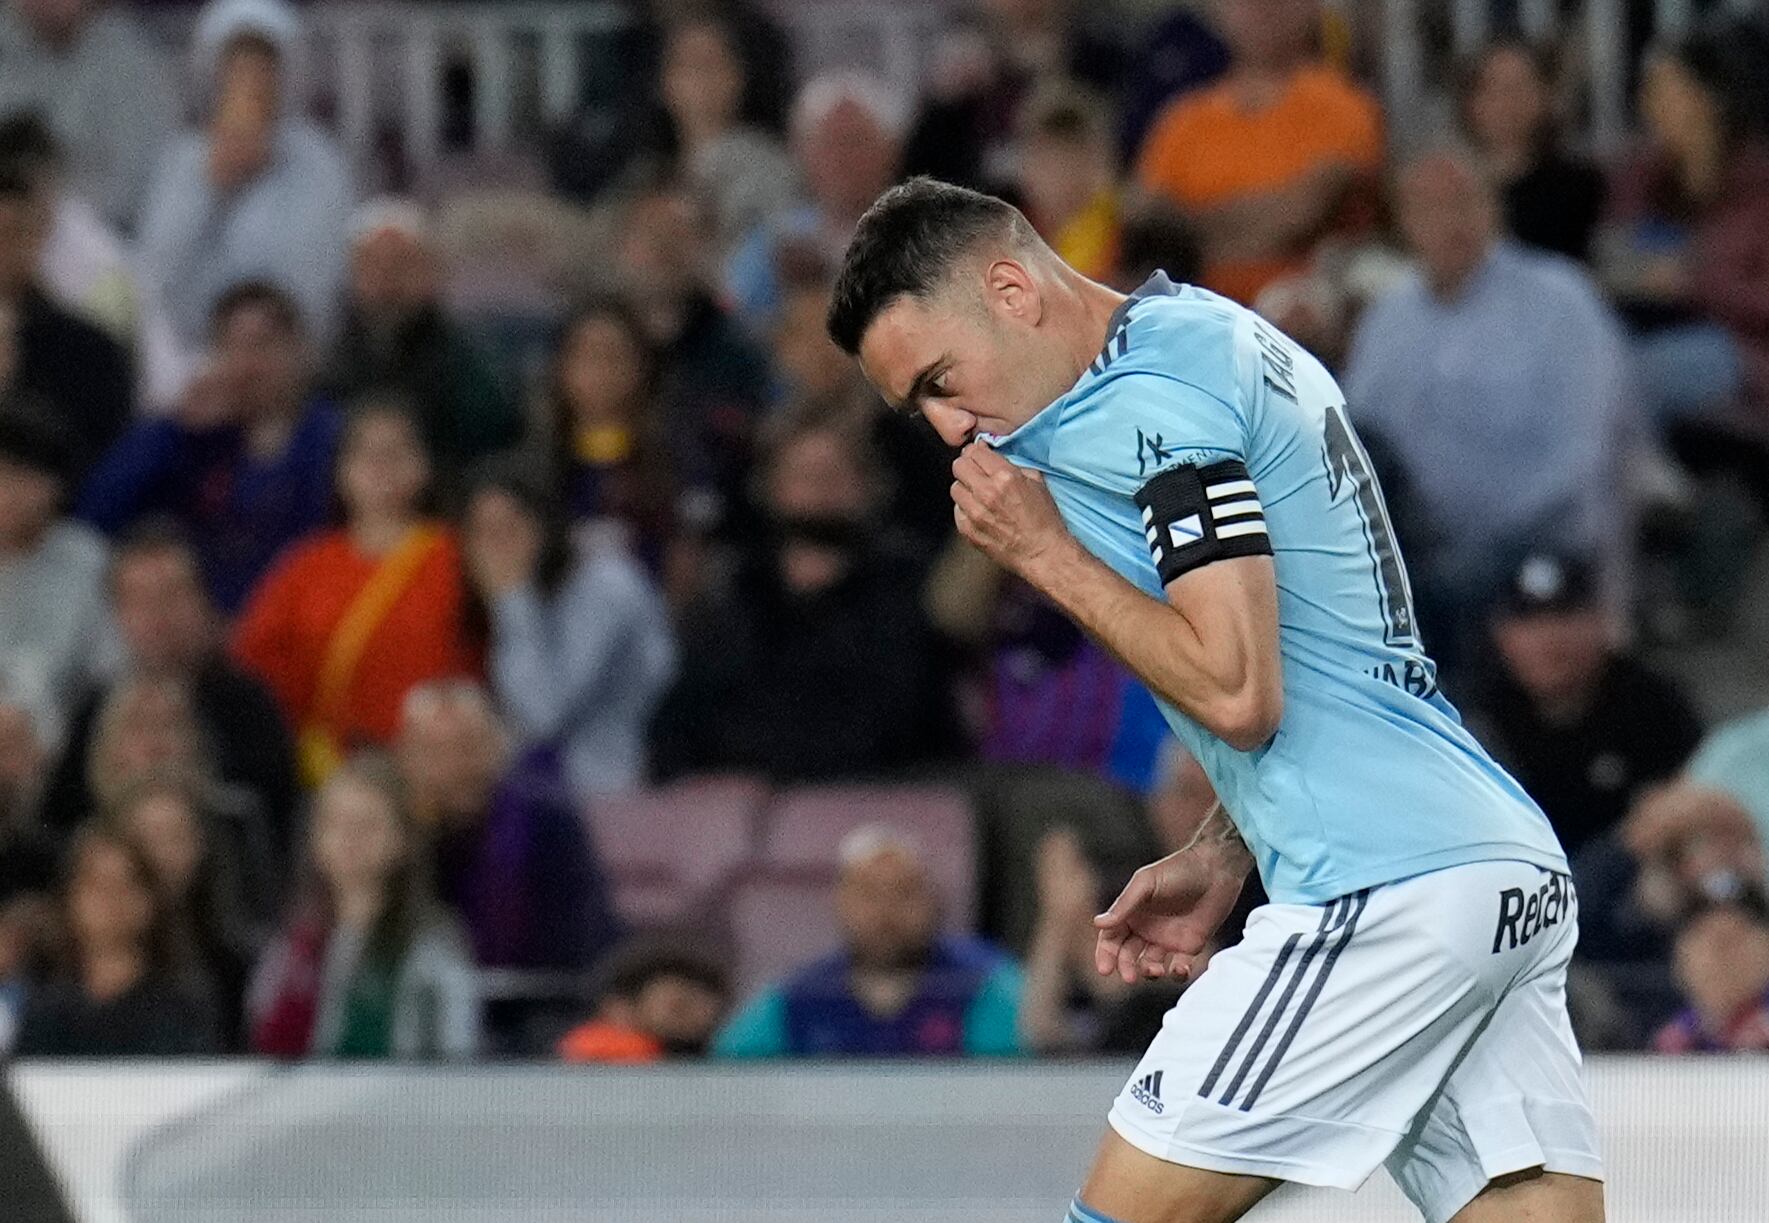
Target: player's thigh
x,y
1536,1196
1305,1052
1512,1117
1129,1186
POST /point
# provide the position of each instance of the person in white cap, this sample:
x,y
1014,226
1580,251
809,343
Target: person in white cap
x,y
259,191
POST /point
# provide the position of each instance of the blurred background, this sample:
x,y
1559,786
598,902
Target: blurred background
x,y
456,605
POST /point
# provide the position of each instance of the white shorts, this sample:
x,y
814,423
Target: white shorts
x,y
1420,1023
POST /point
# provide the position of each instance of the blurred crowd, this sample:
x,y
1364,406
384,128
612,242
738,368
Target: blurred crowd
x,y
367,545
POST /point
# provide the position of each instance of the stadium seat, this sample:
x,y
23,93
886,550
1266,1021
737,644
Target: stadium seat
x,y
668,848
779,921
805,829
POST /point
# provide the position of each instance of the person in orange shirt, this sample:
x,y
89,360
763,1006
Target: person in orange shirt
x,y
350,619
1273,157
660,999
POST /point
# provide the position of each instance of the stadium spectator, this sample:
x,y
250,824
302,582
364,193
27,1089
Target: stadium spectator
x,y
100,80
1154,236
194,875
1552,199
259,192
898,987
75,369
580,648
1581,723
658,1001
1067,176
349,620
1734,758
123,988
1690,840
624,124
809,365
980,71
169,630
245,463
507,849
1449,372
27,859
148,726
1722,966
397,337
368,966
713,382
1682,841
1066,1005
812,370
25,920
1048,695
820,626
52,624
740,169
847,138
1272,158
605,432
1683,247
85,266
27,869
1174,55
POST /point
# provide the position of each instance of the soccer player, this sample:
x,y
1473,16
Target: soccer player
x,y
1182,479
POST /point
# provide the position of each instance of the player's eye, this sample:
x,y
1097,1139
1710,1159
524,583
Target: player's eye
x,y
938,384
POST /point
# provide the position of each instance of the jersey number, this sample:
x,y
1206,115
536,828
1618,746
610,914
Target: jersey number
x,y
1346,458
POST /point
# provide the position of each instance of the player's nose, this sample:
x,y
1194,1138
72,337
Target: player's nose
x,y
954,425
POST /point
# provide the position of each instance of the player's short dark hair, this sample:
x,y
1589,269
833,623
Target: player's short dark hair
x,y
256,295
906,245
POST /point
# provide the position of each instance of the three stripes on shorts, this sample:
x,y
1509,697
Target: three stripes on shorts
x,y
1252,1067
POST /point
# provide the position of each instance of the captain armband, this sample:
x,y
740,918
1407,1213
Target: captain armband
x,y
1192,516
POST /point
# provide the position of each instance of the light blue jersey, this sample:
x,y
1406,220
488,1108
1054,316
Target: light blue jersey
x,y
1202,432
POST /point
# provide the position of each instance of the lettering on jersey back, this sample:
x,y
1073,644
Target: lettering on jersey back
x,y
1276,361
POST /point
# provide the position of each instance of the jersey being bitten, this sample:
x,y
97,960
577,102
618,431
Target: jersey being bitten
x,y
1201,433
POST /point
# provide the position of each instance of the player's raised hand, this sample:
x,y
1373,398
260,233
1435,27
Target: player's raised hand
x,y
1004,510
1164,917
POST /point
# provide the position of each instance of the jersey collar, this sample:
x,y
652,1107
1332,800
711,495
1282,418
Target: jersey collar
x,y
1030,440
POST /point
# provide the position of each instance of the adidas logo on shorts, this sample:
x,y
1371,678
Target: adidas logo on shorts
x,y
1146,1091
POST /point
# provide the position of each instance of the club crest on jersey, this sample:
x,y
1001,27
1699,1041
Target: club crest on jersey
x,y
1150,452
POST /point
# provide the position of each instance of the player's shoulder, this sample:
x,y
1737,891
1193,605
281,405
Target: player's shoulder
x,y
1167,379
1173,342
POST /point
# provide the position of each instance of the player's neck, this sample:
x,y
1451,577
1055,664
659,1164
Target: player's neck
x,y
1085,308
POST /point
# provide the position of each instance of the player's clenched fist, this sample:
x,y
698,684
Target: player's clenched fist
x,y
1004,510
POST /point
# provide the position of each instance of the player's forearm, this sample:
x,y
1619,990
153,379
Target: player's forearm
x,y
1210,672
1218,839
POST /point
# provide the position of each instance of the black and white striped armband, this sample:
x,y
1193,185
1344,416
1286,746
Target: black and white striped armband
x,y
1195,515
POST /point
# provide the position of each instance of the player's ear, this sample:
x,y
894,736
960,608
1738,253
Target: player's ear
x,y
1013,291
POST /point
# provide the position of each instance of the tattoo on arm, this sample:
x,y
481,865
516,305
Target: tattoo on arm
x,y
1218,832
